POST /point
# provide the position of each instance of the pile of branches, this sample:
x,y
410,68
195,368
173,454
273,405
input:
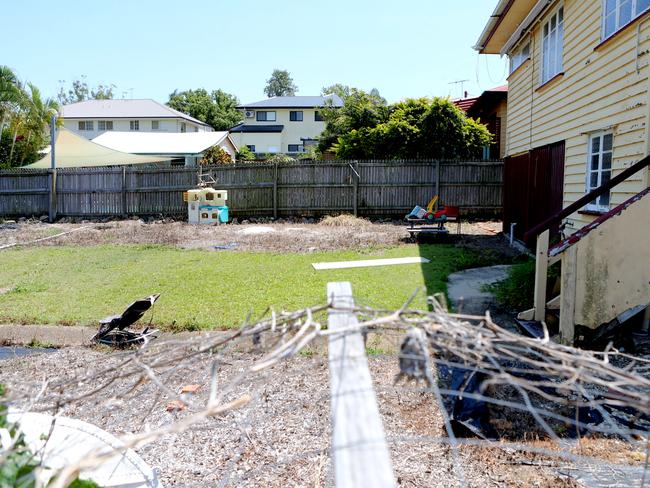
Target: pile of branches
x,y
476,370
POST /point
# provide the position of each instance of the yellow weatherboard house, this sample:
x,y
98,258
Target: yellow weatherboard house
x,y
578,78
576,152
286,125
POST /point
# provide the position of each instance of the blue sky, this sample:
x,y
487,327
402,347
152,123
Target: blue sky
x,y
148,48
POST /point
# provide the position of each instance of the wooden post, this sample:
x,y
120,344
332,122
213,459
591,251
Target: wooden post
x,y
355,196
275,190
437,183
124,204
568,295
360,453
51,214
541,270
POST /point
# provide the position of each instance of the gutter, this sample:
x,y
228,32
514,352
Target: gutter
x,y
539,7
495,20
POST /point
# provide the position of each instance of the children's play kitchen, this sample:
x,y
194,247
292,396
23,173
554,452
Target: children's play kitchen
x,y
206,206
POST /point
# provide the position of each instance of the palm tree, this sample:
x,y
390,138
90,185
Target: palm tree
x,y
37,114
12,96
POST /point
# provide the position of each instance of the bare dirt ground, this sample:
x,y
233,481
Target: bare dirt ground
x,y
281,439
264,236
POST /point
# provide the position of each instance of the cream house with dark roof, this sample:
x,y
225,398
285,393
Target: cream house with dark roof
x,y
282,124
91,118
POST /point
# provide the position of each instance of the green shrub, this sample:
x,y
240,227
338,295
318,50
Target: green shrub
x,y
517,290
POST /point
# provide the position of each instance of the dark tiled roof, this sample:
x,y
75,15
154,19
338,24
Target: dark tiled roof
x,y
295,102
257,128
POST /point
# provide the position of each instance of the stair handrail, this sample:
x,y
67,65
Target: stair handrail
x,y
581,202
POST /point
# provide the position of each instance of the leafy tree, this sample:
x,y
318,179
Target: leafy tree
x,y
360,109
339,89
24,120
80,91
280,85
217,108
216,155
245,154
417,128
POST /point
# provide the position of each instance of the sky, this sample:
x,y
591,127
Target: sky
x,y
149,48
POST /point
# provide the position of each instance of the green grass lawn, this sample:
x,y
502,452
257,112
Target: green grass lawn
x,y
202,289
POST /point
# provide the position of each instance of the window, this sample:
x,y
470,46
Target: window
x,y
318,117
104,125
618,13
251,147
265,116
86,125
134,124
599,169
155,125
519,57
295,115
295,148
196,129
552,45
183,127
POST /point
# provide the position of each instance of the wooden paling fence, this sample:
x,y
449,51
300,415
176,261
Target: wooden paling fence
x,y
367,188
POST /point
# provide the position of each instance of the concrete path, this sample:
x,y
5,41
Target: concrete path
x,y
465,288
52,335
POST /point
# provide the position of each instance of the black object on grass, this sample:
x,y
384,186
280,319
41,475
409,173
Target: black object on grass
x,y
113,330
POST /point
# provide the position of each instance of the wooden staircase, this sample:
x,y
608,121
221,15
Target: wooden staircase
x,y
605,268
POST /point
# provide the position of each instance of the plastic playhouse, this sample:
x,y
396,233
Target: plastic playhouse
x,y
206,206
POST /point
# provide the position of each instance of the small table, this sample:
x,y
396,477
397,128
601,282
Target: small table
x,y
424,226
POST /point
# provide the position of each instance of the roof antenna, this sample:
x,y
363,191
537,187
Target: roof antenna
x,y
462,85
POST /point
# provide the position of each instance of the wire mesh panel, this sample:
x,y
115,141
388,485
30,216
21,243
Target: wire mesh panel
x,y
463,402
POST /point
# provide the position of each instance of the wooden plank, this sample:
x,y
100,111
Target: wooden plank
x,y
275,191
541,270
359,449
51,211
568,294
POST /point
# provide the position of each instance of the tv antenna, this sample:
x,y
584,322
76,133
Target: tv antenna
x,y
462,85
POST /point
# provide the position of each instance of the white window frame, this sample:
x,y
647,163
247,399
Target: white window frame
x,y
519,57
183,127
86,125
134,125
267,116
552,45
104,125
636,10
155,125
600,170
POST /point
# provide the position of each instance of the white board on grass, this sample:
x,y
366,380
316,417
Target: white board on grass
x,y
369,262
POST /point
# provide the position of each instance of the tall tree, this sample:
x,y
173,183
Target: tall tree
x,y
343,91
217,108
417,128
79,91
280,84
360,109
24,119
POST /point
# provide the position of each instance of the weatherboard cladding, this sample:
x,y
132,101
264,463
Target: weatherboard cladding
x,y
123,109
295,102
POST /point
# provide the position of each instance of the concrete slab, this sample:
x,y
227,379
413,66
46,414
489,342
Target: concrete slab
x,y
369,262
465,288
55,335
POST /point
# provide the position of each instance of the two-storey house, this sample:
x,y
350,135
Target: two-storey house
x,y
282,124
94,117
578,117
